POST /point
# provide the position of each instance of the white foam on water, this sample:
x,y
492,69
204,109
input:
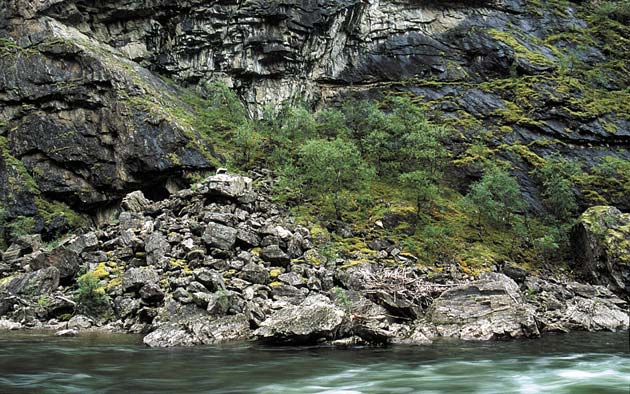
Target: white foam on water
x,y
579,374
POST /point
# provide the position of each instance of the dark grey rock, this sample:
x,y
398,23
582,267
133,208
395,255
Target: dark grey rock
x,y
136,278
254,273
211,279
275,255
220,236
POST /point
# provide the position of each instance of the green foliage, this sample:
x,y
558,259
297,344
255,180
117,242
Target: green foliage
x,y
248,145
20,226
557,188
90,295
495,198
422,184
618,10
331,168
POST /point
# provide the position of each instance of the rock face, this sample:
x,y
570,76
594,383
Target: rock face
x,y
491,308
84,119
93,125
601,241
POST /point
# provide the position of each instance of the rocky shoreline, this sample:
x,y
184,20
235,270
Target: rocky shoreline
x,y
220,262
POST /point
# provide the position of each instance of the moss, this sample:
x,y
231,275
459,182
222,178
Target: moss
x,y
24,181
52,210
174,159
520,50
524,152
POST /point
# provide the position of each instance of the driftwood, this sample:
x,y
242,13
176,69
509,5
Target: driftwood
x,y
404,285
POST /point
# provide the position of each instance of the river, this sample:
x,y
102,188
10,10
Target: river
x,y
573,363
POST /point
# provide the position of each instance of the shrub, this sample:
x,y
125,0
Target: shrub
x,y
332,168
495,198
90,296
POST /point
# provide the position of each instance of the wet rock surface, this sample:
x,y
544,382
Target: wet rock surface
x,y
160,277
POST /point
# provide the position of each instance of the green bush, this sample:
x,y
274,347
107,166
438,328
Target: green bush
x,y
495,198
90,295
331,168
557,188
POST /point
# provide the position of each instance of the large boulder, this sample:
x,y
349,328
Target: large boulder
x,y
136,278
601,244
135,202
65,259
574,306
220,236
315,319
275,255
490,308
28,285
189,325
200,332
227,185
156,247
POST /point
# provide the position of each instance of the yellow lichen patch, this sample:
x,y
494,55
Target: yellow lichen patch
x,y
273,285
353,263
313,257
101,271
275,273
113,284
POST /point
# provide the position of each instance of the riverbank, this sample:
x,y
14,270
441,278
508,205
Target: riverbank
x,y
221,263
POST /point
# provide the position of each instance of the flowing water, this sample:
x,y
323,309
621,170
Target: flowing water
x,y
572,363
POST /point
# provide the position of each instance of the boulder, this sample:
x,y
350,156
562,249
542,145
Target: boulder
x,y
254,273
151,293
9,325
227,185
80,322
490,308
313,320
83,243
67,333
247,238
576,306
187,325
43,281
64,259
136,278
156,247
601,244
292,278
220,236
135,202
21,246
210,279
275,255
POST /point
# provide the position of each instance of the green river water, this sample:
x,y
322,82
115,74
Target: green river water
x,y
571,363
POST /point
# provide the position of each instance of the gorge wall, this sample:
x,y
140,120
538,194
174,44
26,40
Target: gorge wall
x,y
85,118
